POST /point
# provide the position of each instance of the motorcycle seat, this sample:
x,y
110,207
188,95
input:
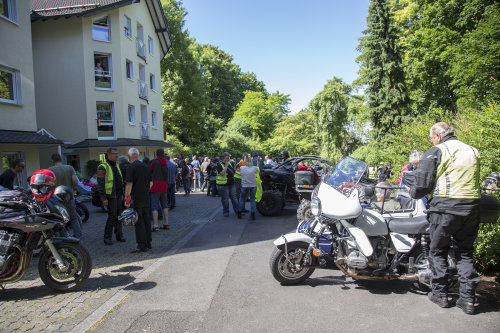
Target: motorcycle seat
x,y
414,225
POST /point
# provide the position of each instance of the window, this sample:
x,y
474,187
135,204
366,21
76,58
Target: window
x,y
143,87
141,49
105,120
129,68
101,29
102,70
150,45
154,121
10,85
8,10
127,26
131,114
152,82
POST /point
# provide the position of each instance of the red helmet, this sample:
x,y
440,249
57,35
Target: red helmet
x,y
43,184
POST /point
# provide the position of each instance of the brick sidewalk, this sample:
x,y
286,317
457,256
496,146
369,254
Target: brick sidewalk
x,y
31,306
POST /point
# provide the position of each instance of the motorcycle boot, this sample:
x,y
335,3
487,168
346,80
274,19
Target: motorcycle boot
x,y
467,307
440,301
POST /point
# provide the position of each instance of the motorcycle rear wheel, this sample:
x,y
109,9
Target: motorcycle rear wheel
x,y
288,271
78,267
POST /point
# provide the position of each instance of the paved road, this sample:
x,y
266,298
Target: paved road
x,y
220,282
29,305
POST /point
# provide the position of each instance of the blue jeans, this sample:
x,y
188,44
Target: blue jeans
x,y
243,196
187,186
227,192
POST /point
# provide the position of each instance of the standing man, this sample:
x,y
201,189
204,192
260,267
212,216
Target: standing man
x,y
450,171
204,172
172,177
110,188
225,184
138,183
159,175
8,176
196,173
66,176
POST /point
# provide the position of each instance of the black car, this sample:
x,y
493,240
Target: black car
x,y
291,182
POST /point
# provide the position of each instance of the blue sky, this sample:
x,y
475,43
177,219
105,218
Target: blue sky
x,y
292,46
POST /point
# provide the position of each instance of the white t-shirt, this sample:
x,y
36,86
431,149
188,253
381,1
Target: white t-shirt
x,y
248,174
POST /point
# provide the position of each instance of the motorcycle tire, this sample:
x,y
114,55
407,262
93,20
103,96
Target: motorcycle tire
x,y
83,211
304,210
284,270
270,204
78,267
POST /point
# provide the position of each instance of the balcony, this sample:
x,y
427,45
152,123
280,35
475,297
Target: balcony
x,y
141,48
143,90
144,130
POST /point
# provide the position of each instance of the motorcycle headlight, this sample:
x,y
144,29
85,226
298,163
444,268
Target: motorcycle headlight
x,y
64,213
316,207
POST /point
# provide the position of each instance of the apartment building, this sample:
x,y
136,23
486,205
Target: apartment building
x,y
97,75
20,135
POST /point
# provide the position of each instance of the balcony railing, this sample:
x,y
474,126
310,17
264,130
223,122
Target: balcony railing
x,y
141,48
144,131
143,90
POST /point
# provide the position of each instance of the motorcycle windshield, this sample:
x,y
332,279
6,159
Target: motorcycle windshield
x,y
346,175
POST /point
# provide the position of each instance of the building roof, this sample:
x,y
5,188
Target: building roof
x,y
22,137
94,143
45,9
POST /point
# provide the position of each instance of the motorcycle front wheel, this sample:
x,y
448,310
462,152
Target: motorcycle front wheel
x,y
294,269
78,266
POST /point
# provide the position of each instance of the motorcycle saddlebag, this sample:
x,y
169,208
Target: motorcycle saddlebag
x,y
305,177
489,208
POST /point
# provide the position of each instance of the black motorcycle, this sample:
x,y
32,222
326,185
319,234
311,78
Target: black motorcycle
x,y
25,225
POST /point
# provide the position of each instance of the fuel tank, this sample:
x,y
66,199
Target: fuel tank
x,y
32,223
372,223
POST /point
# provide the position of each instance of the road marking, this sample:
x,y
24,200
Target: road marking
x,y
95,317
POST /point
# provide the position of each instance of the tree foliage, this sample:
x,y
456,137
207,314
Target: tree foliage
x,y
262,112
330,109
184,95
381,70
295,133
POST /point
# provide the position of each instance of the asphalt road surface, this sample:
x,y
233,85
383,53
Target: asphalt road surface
x,y
220,281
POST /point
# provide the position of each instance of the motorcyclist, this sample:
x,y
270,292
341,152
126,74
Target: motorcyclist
x,y
450,170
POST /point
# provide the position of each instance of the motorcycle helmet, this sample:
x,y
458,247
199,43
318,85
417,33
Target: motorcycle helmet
x,y
128,217
64,193
43,183
495,175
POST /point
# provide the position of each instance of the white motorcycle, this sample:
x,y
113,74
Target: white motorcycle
x,y
362,237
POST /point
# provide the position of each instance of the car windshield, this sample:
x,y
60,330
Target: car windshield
x,y
346,175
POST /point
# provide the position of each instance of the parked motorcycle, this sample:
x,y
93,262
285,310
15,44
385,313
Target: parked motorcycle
x,y
27,224
81,209
349,233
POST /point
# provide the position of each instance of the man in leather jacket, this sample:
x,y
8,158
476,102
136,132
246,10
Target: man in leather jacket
x,y
450,172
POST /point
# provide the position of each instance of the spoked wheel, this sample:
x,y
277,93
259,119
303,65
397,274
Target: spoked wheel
x,y
78,265
294,269
304,210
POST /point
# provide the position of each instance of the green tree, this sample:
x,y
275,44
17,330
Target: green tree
x,y
221,78
330,109
475,70
295,133
262,112
432,33
184,94
381,70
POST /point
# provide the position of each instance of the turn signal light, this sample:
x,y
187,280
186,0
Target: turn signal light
x,y
315,253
